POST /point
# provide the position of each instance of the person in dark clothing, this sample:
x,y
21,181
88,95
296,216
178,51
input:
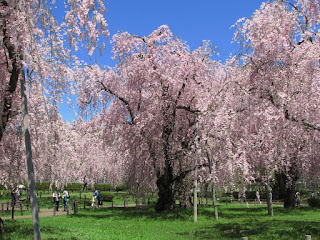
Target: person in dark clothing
x,y
56,198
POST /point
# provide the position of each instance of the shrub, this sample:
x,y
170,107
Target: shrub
x,y
103,187
74,186
107,196
121,187
43,186
314,202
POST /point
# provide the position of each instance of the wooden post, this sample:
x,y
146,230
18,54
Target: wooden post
x,y
12,211
75,208
85,199
308,237
21,209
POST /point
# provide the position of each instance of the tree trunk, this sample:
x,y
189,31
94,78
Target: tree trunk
x,y
31,178
166,199
289,199
285,191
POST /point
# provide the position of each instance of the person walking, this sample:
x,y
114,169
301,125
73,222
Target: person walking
x,y
18,193
94,199
56,198
13,197
298,199
65,197
99,198
258,197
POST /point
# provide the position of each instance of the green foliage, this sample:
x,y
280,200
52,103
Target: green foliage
x,y
43,186
74,186
103,187
107,196
121,187
314,202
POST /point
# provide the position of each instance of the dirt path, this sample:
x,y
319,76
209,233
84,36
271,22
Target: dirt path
x,y
43,213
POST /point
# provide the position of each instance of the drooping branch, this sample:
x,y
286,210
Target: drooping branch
x,y
183,174
14,70
123,100
188,109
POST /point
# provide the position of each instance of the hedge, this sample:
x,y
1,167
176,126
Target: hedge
x,y
314,202
103,187
74,186
107,196
121,187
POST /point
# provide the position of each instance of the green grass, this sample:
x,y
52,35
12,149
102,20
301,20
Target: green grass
x,y
236,221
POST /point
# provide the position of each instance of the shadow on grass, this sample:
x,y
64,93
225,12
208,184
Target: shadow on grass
x,y
133,213
255,229
24,230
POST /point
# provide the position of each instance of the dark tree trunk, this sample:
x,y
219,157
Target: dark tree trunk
x,y
166,200
289,199
286,190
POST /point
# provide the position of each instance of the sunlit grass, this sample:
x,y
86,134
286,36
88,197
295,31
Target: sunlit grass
x,y
236,221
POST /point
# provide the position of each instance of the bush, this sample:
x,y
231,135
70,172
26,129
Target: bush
x,y
43,186
74,186
121,187
314,202
103,187
107,196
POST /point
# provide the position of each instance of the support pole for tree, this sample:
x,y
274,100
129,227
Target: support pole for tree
x,y
31,178
269,200
195,197
214,200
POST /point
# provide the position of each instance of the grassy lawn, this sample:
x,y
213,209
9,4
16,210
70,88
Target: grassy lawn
x,y
236,221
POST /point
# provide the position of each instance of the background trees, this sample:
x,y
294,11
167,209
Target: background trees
x,y
163,110
280,85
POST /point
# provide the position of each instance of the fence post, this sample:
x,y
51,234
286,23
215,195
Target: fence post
x,y
68,209
54,209
75,208
12,214
85,199
308,237
21,209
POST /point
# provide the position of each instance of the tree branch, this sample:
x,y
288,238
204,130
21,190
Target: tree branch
x,y
14,70
123,100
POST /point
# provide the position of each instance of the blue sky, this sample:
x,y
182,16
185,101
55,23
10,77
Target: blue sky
x,y
191,20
